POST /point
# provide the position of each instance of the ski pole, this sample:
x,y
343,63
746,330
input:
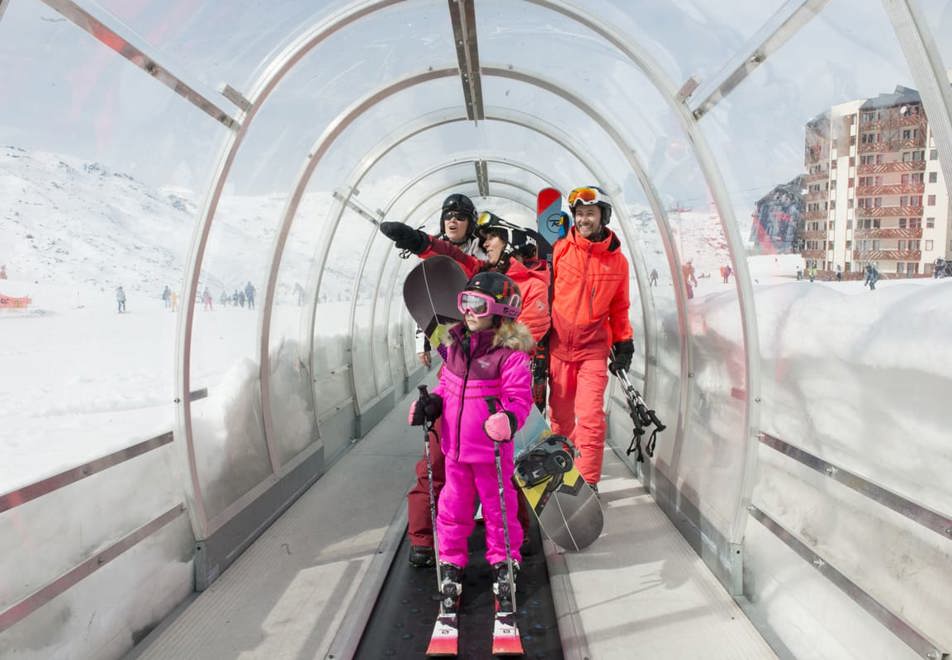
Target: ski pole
x,y
491,402
424,397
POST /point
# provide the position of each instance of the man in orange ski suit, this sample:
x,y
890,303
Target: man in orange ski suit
x,y
589,319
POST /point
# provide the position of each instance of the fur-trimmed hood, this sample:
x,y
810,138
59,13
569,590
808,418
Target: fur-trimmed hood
x,y
510,334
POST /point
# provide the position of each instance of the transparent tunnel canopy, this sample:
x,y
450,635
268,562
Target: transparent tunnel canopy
x,y
199,314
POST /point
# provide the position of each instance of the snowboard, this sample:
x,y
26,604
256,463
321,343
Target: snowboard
x,y
566,507
430,293
552,225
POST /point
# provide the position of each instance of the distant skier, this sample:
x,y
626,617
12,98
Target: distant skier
x,y
938,270
726,271
121,299
872,276
207,299
299,292
167,296
690,281
3,272
241,299
839,273
250,295
485,356
653,277
811,272
174,300
234,298
799,274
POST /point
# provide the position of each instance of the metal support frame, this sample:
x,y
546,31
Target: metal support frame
x,y
37,489
109,31
23,608
482,178
928,71
778,29
463,17
261,89
715,183
911,636
939,523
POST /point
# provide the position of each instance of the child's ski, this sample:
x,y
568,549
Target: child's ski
x,y
445,638
506,639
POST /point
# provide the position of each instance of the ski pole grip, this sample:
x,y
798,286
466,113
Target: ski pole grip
x,y
424,394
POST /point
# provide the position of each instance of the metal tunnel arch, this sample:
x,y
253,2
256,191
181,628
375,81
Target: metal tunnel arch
x,y
271,75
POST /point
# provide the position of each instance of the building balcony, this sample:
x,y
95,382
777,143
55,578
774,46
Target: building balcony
x,y
894,189
818,234
889,211
818,195
893,145
815,215
813,254
817,176
899,121
895,166
888,232
887,255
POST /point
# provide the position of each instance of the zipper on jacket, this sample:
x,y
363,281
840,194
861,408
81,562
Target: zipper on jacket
x,y
462,396
588,258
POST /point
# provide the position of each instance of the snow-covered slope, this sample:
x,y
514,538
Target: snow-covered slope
x,y
81,224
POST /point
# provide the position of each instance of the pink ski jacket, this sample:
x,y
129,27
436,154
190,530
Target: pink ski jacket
x,y
488,363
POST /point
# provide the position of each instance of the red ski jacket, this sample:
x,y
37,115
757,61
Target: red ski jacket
x,y
590,305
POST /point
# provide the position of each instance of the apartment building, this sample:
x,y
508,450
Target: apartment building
x,y
874,189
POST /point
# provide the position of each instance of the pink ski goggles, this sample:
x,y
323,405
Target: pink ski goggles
x,y
479,305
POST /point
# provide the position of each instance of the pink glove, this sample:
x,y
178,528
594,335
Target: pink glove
x,y
500,426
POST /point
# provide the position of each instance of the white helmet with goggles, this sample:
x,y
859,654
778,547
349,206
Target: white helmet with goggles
x,y
591,195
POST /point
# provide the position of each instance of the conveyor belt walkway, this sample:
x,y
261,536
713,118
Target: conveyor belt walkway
x,y
301,590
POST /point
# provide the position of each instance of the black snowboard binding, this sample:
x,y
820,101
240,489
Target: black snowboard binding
x,y
501,585
451,587
549,459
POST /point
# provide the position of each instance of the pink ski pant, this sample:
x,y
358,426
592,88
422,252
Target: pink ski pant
x,y
454,522
577,409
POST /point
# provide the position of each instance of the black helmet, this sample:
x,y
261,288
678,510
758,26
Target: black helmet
x,y
500,288
589,195
518,240
459,204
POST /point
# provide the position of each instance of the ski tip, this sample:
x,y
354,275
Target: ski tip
x,y
506,639
508,646
445,639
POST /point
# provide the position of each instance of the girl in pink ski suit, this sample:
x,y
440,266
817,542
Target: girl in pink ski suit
x,y
490,362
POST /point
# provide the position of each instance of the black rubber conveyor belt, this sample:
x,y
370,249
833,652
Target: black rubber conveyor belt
x,y
403,617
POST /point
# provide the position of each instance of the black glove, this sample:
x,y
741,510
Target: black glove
x,y
426,409
405,237
623,350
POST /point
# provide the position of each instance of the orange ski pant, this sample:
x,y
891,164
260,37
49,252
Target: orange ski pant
x,y
577,411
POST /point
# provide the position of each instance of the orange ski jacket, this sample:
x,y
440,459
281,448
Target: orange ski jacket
x,y
590,305
534,284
